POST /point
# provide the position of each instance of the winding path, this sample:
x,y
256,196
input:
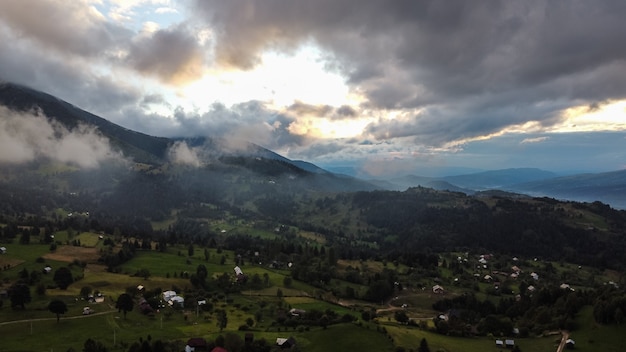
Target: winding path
x,y
64,318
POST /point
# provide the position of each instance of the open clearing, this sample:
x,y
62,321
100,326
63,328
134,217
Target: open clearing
x,y
71,253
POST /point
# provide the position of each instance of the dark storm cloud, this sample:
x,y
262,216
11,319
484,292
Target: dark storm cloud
x,y
173,55
66,78
425,54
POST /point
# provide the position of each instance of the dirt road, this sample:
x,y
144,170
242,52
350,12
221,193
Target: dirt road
x,y
564,337
54,318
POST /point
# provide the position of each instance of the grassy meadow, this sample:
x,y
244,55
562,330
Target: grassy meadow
x,y
35,328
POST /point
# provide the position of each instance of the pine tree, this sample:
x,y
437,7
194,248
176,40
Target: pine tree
x,y
423,346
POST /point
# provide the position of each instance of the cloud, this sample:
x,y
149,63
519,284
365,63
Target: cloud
x,y
181,153
173,55
28,136
162,10
299,109
64,27
473,69
534,140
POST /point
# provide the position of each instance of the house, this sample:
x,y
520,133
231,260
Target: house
x,y
3,250
144,306
176,301
570,344
535,276
509,343
195,344
296,312
499,343
47,269
438,289
167,295
99,298
285,343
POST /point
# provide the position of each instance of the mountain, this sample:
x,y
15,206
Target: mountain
x,y
138,146
498,178
153,155
608,187
409,181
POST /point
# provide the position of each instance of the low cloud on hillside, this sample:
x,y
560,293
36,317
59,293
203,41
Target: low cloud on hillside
x,y
27,136
181,153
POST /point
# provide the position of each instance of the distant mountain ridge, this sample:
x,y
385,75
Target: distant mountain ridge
x,y
609,187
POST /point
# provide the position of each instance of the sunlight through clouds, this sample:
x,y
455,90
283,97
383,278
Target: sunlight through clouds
x,y
609,116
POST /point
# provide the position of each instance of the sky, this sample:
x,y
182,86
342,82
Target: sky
x,y
384,87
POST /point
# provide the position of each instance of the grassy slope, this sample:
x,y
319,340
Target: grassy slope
x,y
592,336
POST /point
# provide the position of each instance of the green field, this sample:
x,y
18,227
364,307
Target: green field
x,y
36,328
595,337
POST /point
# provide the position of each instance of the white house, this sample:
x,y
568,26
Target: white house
x,y
167,295
176,300
238,271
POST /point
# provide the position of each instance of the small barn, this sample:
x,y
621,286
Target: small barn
x,y
438,289
285,342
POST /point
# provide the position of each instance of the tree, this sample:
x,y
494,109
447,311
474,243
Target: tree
x,y
124,303
287,281
57,307
94,346
63,277
25,237
423,346
401,317
85,291
222,319
19,294
190,250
